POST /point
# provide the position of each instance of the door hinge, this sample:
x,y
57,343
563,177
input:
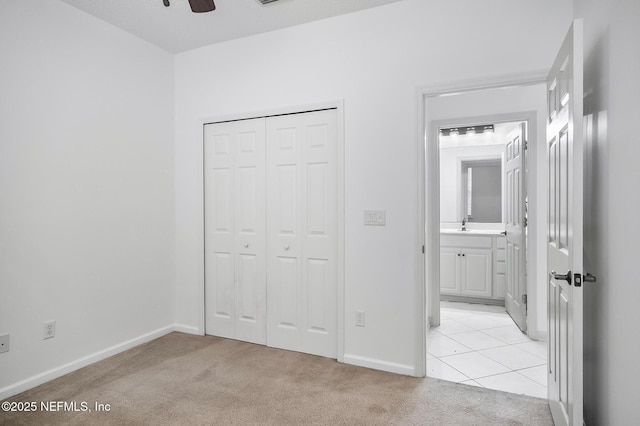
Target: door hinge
x,y
525,222
422,249
524,299
526,145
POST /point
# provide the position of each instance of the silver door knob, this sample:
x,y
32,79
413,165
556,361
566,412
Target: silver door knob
x,y
246,246
557,276
286,247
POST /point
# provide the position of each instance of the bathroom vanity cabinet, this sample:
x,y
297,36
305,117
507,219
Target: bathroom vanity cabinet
x,y
472,266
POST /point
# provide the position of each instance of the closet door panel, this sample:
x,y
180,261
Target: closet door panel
x,y
219,230
301,229
250,238
235,225
319,241
283,224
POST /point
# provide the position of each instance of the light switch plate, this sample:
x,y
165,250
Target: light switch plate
x,y
375,217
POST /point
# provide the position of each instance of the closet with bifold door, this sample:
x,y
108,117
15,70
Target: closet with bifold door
x,y
271,223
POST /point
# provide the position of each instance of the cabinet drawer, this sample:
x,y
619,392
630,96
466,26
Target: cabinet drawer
x,y
465,241
501,267
501,285
501,242
501,255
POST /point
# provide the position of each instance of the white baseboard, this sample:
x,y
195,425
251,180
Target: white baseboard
x,y
376,364
54,373
187,329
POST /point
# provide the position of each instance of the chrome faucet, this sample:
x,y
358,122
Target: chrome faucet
x,y
464,224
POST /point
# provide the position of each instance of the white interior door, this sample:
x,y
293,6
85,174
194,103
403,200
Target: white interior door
x,y
302,232
564,138
515,226
235,258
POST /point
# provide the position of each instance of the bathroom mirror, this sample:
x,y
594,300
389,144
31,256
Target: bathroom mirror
x,y
481,190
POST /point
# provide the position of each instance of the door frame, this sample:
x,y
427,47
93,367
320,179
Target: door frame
x,y
338,105
428,269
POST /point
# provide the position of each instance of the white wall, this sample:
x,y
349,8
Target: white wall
x,y
507,101
612,229
86,182
375,60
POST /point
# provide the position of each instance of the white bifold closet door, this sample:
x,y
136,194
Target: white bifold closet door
x,y
271,231
234,207
302,232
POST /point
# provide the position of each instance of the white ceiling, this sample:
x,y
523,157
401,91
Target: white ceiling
x,y
177,29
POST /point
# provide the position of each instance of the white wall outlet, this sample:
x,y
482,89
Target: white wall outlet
x,y
4,343
375,217
360,318
49,330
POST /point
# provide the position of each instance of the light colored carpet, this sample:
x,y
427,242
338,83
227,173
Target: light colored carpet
x,y
182,379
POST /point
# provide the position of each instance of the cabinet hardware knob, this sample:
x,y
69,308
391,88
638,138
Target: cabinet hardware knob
x,y
286,247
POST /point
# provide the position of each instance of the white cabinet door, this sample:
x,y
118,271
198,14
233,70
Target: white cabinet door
x,y
450,270
302,232
476,272
234,204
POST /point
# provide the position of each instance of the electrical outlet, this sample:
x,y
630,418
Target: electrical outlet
x,y
49,330
4,343
360,318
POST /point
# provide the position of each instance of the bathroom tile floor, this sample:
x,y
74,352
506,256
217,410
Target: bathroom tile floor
x,y
480,345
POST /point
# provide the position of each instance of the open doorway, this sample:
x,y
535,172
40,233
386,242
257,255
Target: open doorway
x,y
483,215
480,339
471,338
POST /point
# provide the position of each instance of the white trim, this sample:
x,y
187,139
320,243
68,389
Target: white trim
x,y
422,298
188,329
377,364
341,233
506,80
338,105
428,268
54,373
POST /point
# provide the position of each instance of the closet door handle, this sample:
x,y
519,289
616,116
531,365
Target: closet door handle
x,y
246,246
286,247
